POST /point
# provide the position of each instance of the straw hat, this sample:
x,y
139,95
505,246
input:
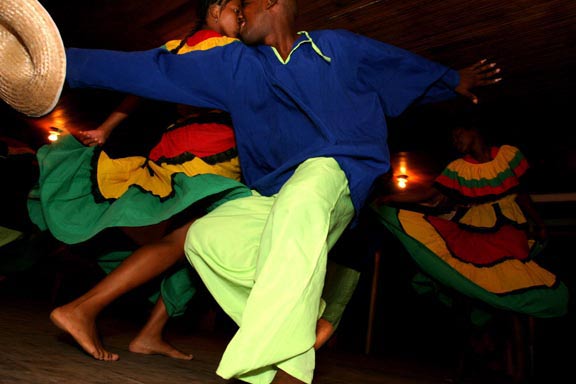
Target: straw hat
x,y
32,58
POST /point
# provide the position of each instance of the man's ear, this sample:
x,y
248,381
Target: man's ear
x,y
271,3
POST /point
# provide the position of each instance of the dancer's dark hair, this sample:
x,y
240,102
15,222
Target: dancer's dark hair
x,y
202,8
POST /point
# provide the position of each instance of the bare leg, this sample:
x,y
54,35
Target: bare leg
x,y
324,330
148,234
339,286
149,340
78,317
284,378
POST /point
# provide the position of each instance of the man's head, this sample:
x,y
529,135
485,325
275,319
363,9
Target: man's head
x,y
264,18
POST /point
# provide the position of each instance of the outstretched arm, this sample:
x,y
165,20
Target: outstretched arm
x,y
479,74
99,135
425,196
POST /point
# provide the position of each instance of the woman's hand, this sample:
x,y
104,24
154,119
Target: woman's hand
x,y
93,137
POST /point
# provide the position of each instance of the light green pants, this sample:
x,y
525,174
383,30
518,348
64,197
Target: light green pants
x,y
264,261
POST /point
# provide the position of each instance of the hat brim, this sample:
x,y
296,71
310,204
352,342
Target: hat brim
x,y
32,58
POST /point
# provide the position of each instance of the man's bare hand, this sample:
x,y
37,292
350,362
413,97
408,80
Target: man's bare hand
x,y
479,74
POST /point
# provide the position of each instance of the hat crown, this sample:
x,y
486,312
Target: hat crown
x,y
32,58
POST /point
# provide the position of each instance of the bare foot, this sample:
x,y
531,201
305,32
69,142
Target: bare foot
x,y
324,330
153,346
83,330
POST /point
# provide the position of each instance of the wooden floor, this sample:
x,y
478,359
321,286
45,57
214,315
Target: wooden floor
x,y
34,351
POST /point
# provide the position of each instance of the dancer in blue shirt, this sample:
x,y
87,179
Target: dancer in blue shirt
x,y
310,114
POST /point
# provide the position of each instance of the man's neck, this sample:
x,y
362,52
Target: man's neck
x,y
283,39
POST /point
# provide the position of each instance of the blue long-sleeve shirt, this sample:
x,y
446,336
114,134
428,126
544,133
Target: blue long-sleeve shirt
x,y
330,97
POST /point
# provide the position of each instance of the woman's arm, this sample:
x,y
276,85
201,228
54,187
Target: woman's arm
x,y
99,135
526,203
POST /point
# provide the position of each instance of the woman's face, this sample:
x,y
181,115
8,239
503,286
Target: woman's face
x,y
231,18
463,139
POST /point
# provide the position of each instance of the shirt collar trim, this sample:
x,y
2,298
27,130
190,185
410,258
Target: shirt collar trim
x,y
306,39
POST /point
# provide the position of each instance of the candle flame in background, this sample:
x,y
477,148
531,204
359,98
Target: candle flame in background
x,y
402,181
54,134
50,126
402,170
